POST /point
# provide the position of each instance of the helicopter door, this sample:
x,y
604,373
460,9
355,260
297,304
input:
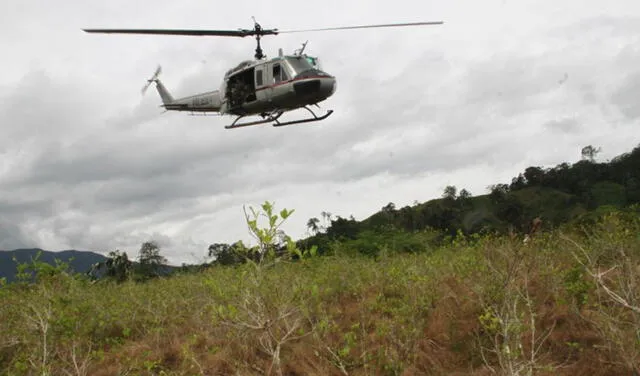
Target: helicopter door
x,y
276,75
261,84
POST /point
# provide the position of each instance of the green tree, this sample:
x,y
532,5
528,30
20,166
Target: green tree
x,y
226,254
150,260
313,224
498,192
518,182
326,217
216,249
464,203
342,228
534,175
389,208
464,195
117,266
450,192
589,153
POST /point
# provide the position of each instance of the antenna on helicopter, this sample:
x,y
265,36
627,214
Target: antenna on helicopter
x,y
299,51
152,79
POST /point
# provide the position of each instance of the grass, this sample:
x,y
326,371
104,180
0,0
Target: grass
x,y
479,306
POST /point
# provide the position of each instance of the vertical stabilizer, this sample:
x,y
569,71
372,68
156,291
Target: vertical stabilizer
x,y
164,93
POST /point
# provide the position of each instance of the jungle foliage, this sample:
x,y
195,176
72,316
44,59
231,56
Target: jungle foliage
x,y
443,287
566,193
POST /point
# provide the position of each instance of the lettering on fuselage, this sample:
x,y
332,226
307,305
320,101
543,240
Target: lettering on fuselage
x,y
201,101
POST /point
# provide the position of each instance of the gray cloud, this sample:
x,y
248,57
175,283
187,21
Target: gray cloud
x,y
566,125
11,235
626,97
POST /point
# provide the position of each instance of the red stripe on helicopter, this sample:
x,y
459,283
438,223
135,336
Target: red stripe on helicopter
x,y
289,81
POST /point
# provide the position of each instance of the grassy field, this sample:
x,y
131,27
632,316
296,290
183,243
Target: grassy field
x,y
565,303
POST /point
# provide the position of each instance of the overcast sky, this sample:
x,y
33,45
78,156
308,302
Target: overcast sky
x,y
88,163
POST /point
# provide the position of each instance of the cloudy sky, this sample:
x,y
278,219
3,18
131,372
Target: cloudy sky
x,y
88,163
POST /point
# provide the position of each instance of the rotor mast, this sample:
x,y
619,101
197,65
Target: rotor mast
x,y
258,30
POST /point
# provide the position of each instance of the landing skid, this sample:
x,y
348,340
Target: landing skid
x,y
274,118
308,120
268,119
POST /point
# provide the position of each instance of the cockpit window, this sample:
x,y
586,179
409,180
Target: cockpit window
x,y
314,62
279,73
299,65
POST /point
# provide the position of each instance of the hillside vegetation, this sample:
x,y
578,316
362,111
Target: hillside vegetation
x,y
562,194
565,303
464,296
78,261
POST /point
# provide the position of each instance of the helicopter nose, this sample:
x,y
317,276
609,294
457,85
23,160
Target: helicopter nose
x,y
332,86
327,87
317,87
335,86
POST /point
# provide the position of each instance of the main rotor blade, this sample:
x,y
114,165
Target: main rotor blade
x,y
365,26
222,33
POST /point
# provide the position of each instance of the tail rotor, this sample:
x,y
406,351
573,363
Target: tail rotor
x,y
152,79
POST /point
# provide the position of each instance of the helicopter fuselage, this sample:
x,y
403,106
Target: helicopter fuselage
x,y
259,87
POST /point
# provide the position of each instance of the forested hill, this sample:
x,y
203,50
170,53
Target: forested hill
x,y
79,261
566,192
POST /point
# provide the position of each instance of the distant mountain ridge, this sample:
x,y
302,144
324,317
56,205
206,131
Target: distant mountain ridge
x,y
79,261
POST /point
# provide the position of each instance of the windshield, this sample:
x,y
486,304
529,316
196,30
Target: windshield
x,y
314,62
299,65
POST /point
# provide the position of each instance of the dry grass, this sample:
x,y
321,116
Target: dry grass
x,y
454,311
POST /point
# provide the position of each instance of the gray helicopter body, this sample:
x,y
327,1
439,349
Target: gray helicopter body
x,y
259,87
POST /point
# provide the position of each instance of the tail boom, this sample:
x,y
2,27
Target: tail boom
x,y
204,102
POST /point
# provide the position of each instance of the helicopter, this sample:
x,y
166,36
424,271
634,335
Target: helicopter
x,y
264,87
